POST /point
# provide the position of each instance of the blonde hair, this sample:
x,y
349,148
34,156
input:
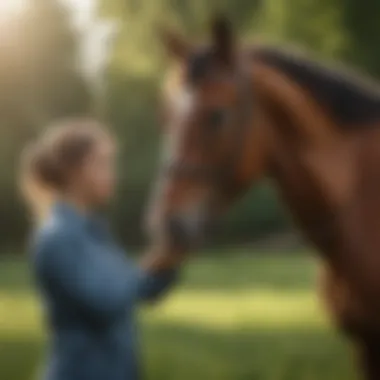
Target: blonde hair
x,y
47,162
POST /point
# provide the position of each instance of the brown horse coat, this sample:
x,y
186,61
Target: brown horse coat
x,y
330,180
315,131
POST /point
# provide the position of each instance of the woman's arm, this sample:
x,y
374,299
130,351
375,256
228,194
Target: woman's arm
x,y
99,287
161,267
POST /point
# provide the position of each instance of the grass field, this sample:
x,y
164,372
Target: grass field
x,y
233,317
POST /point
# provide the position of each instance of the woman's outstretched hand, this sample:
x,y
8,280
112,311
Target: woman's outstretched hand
x,y
162,257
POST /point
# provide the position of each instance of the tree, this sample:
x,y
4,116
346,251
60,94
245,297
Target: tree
x,y
361,22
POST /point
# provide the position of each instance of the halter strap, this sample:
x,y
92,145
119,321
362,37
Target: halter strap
x,y
229,183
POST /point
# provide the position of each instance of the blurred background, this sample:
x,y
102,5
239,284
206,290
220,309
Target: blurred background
x,y
246,308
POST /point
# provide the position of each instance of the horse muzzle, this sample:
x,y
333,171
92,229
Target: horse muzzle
x,y
187,231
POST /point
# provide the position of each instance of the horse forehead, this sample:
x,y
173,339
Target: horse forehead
x,y
182,102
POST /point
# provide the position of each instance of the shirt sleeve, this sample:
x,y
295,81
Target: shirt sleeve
x,y
95,284
156,285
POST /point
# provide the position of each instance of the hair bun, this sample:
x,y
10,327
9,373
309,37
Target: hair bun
x,y
42,165
59,150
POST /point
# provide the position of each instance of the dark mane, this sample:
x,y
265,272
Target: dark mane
x,y
351,100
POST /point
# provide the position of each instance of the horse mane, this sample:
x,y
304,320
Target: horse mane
x,y
353,101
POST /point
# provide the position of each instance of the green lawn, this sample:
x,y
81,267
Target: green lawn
x,y
233,317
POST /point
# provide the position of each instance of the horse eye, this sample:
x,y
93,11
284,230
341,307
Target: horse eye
x,y
217,118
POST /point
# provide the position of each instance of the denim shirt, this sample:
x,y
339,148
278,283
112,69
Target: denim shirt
x,y
90,291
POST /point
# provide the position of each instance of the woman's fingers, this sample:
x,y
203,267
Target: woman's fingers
x,y
159,258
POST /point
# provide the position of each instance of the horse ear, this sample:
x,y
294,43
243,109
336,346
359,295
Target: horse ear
x,y
223,39
176,46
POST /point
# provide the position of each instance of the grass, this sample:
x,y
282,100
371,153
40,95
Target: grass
x,y
233,317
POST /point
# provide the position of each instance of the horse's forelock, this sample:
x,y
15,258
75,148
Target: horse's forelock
x,y
199,65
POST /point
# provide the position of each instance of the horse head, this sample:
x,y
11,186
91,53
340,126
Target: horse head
x,y
214,145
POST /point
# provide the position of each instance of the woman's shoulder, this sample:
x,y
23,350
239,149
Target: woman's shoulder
x,y
54,232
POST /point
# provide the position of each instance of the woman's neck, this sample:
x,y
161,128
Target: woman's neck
x,y
79,203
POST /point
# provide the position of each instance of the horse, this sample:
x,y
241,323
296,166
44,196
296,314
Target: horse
x,y
234,114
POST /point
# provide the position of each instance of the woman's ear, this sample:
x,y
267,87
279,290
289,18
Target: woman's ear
x,y
223,39
176,46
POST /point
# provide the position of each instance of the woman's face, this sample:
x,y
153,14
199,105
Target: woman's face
x,y
95,179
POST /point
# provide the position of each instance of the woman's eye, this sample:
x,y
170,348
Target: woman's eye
x,y
217,118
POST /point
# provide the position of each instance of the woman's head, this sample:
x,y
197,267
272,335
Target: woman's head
x,y
73,159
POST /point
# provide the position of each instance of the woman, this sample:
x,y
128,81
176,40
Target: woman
x,y
89,288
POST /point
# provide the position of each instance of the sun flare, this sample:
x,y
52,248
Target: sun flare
x,y
10,8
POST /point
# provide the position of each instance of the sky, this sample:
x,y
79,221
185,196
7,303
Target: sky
x,y
10,8
95,35
83,11
96,39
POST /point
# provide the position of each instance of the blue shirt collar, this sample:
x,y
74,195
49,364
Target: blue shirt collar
x,y
92,223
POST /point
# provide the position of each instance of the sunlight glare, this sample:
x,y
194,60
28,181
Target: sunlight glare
x,y
11,8
96,37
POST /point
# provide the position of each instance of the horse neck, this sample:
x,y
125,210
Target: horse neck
x,y
305,155
303,193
